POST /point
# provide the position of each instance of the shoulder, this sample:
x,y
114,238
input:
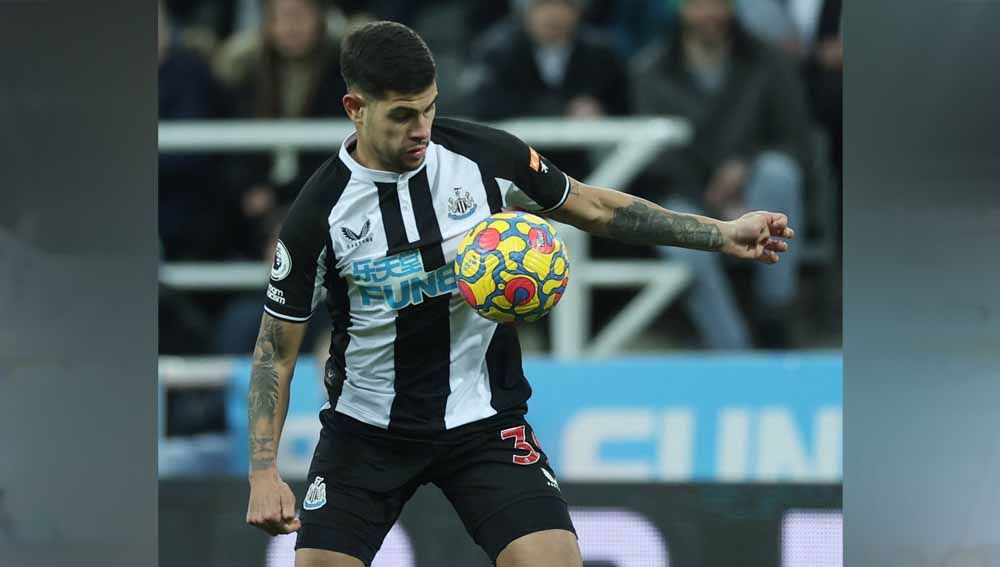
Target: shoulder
x,y
463,136
491,148
321,191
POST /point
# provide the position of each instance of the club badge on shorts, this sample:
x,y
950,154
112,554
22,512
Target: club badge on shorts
x,y
316,495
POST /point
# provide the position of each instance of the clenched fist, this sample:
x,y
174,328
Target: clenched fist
x,y
272,504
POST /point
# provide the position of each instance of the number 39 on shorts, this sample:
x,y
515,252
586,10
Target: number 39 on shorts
x,y
521,444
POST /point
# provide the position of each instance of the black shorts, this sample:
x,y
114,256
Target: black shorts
x,y
361,476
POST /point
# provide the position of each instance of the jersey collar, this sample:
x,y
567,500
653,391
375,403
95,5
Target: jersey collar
x,y
375,174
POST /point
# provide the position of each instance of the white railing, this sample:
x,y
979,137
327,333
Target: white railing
x,y
630,144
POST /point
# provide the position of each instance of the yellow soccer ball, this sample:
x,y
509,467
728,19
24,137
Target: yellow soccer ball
x,y
512,267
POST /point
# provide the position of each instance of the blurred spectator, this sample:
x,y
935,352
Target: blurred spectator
x,y
750,144
289,69
483,15
191,207
809,31
236,331
542,62
204,22
769,21
634,23
402,11
824,73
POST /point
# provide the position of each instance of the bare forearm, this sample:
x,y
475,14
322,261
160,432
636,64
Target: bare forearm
x,y
634,220
268,405
269,392
642,222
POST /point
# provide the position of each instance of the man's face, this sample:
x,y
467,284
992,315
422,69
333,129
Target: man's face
x,y
708,19
294,26
552,22
398,128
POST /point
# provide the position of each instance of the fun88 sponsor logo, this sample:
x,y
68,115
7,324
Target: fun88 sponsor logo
x,y
400,281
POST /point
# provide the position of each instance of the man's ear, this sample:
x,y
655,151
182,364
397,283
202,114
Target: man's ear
x,y
354,106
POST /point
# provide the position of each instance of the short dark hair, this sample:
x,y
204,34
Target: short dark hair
x,y
386,56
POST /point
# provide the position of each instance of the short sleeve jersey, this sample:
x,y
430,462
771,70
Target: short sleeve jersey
x,y
378,249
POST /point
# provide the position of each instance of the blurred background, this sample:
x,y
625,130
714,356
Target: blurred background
x,y
690,406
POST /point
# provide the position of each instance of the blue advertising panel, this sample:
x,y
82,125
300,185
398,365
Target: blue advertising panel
x,y
691,418
711,418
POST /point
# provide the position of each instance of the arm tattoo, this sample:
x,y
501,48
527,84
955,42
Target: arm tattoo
x,y
638,223
263,399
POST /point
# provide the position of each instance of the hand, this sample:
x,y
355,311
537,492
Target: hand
x,y
752,236
726,183
272,504
584,107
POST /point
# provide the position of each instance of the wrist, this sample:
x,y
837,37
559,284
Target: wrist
x,y
726,229
266,473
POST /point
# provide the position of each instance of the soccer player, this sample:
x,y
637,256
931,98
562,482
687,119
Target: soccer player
x,y
421,388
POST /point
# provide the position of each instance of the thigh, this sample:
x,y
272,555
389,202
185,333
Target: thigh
x,y
502,486
324,558
549,548
358,485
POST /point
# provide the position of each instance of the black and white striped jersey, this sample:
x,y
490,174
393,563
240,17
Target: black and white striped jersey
x,y
407,354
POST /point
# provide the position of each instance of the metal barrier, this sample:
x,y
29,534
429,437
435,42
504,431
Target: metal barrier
x,y
632,144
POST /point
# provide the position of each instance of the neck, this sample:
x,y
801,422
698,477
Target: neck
x,y
366,156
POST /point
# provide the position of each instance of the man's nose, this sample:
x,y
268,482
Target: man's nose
x,y
422,131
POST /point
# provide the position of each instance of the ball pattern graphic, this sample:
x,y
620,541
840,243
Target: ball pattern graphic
x,y
512,267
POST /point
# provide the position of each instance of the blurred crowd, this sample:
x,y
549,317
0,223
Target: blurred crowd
x,y
759,81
